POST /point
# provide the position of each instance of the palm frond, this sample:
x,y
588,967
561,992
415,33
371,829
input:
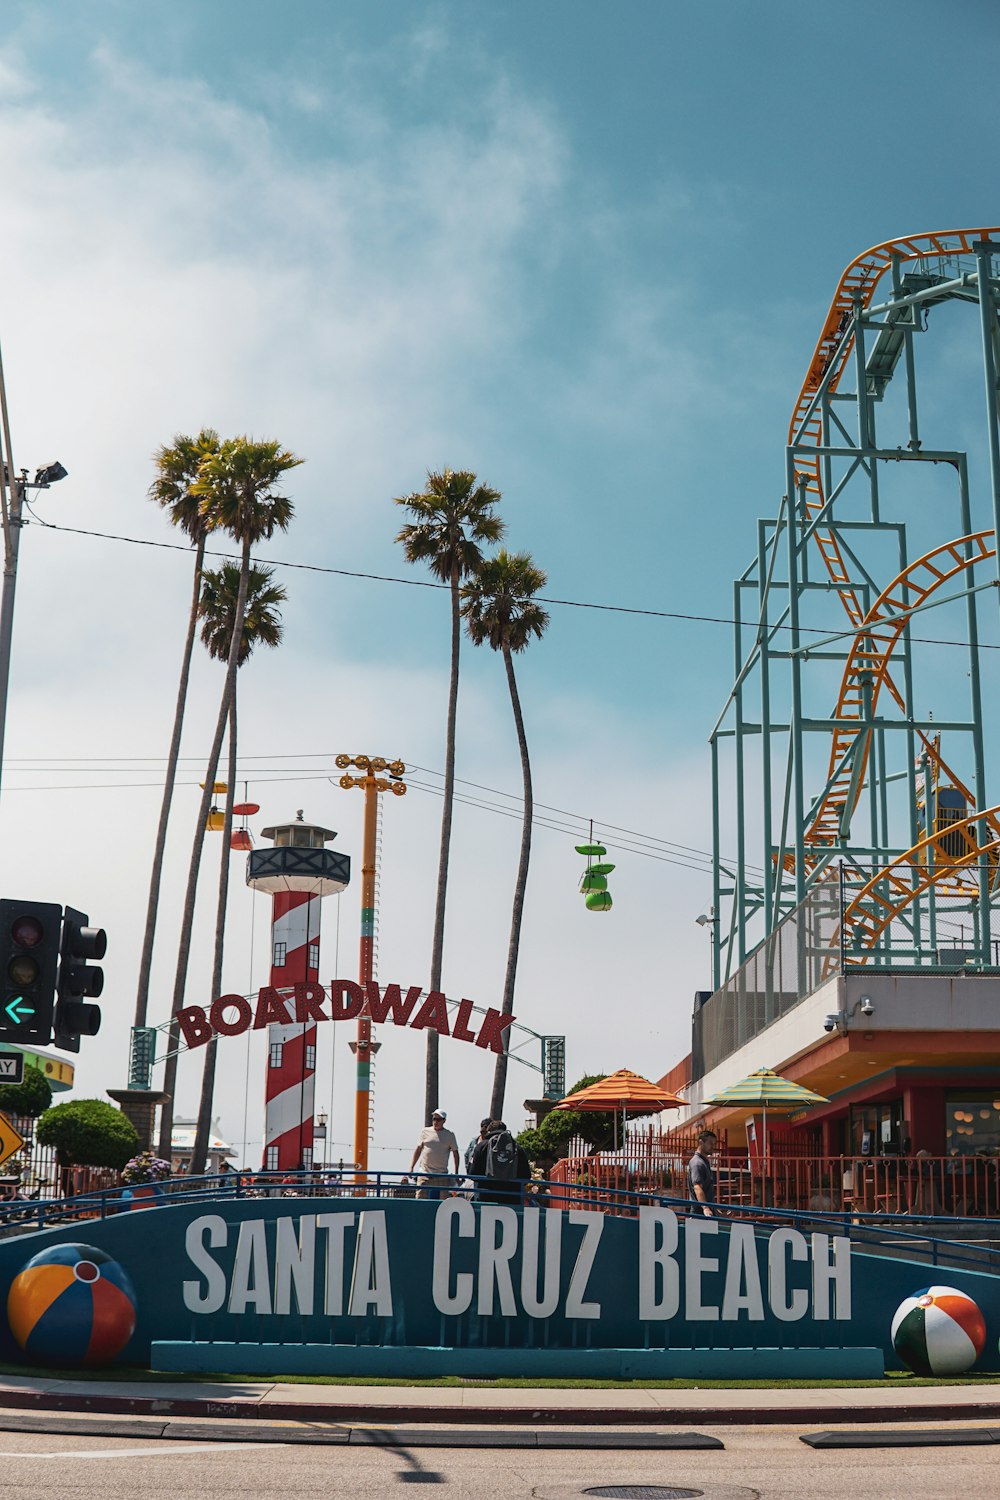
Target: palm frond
x,y
178,467
498,603
453,518
237,485
217,609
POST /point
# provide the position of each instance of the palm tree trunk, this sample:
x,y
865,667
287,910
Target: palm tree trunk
x,y
507,1003
431,1084
152,907
199,1155
187,917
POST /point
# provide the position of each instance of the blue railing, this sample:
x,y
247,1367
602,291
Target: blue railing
x,y
972,1243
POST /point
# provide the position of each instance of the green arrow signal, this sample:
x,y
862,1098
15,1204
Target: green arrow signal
x,y
18,1008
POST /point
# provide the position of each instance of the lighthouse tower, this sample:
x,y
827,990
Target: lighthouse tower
x,y
298,870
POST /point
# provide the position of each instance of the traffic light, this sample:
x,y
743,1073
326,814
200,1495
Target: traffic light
x,y
29,961
79,981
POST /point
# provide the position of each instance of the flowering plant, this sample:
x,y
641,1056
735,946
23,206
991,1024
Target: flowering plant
x,y
145,1168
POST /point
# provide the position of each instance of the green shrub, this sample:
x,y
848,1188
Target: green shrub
x,y
88,1133
32,1097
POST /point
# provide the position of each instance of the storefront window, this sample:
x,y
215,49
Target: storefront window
x,y
972,1124
877,1129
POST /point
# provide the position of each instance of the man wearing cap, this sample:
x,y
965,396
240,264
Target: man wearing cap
x,y
433,1152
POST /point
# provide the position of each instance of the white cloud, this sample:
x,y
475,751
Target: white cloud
x,y
176,264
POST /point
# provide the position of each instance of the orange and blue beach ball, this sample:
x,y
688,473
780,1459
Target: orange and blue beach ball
x,y
72,1305
939,1331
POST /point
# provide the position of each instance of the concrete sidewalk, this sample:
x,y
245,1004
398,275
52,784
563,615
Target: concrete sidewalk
x,y
511,1406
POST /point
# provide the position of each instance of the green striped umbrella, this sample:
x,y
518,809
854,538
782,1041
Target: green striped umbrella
x,y
767,1090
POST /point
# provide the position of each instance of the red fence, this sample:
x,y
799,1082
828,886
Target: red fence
x,y
925,1186
40,1176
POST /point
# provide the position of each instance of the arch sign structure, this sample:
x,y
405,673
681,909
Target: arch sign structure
x,y
233,1015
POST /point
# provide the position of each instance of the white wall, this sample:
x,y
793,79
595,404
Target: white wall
x,y
949,1004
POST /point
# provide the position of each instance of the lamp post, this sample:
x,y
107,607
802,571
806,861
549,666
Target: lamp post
x,y
371,782
319,1133
11,518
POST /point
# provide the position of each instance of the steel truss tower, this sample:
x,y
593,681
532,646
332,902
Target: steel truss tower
x,y
846,796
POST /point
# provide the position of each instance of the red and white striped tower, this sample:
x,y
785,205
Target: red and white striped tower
x,y
298,871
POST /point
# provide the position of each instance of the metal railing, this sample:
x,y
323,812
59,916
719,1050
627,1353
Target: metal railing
x,y
973,1243
945,1188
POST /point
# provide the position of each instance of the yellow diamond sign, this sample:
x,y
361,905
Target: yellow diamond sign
x,y
10,1141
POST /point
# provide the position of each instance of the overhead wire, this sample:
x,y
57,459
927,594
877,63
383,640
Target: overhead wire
x,y
629,839
429,583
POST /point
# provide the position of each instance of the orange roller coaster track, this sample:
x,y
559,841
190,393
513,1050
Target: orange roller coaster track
x,y
873,321
867,670
891,890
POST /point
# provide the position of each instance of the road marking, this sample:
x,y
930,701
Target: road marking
x,y
171,1451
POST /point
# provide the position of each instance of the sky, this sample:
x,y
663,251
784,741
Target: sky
x,y
583,250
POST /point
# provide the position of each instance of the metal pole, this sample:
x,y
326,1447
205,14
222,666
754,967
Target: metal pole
x,y
765,718
975,689
795,717
363,1084
866,417
714,926
11,544
987,316
908,361
741,837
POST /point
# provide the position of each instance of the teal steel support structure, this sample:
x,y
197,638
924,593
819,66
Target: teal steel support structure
x,y
841,535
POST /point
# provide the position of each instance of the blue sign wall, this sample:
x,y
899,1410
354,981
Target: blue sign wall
x,y
370,1271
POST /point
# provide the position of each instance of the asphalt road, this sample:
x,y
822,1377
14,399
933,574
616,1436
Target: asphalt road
x,y
766,1463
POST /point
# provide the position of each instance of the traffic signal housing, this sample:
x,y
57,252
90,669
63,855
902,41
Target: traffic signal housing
x,y
79,980
29,964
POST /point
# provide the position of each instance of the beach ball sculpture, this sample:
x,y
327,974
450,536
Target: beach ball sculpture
x,y
938,1331
72,1305
594,882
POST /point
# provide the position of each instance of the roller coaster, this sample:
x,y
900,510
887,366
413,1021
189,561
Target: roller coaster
x,y
896,857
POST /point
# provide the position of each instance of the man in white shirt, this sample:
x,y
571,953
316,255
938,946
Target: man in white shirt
x,y
430,1159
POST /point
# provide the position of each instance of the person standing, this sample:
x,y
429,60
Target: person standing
x,y
701,1177
430,1159
470,1150
503,1162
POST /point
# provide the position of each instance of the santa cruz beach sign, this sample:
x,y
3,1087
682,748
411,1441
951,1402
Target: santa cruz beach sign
x,y
232,1015
359,1283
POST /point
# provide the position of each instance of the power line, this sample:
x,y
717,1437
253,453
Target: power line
x,y
631,839
427,583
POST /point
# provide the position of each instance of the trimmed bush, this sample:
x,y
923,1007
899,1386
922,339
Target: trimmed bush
x,y
88,1133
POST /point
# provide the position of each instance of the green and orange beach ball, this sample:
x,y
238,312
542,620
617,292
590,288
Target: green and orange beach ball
x,y
72,1305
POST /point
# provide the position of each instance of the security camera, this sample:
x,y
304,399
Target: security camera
x,y
830,1024
865,1006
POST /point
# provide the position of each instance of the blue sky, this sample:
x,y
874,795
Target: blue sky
x,y
584,250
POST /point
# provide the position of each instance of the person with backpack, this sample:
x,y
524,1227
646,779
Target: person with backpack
x,y
502,1163
470,1150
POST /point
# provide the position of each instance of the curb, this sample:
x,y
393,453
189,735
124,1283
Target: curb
x,y
332,1414
331,1434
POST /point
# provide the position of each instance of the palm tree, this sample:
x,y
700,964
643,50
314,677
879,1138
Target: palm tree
x,y
237,486
499,608
177,469
261,626
452,518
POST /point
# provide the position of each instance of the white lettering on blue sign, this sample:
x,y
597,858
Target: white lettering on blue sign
x,y
275,1273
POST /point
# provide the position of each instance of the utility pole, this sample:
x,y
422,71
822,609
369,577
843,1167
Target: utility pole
x,y
11,518
371,783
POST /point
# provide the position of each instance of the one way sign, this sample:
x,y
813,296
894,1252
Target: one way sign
x,y
11,1067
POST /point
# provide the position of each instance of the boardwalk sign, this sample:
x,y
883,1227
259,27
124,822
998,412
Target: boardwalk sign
x,y
233,1015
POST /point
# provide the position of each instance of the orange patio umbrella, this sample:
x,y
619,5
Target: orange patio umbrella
x,y
628,1092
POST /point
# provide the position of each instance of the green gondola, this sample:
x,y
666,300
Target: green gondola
x,y
594,881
